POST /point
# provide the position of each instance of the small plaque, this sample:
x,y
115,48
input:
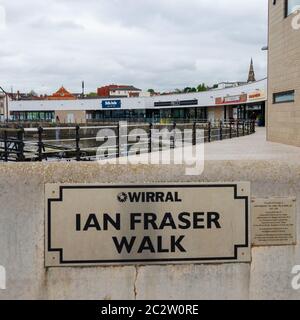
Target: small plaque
x,y
274,222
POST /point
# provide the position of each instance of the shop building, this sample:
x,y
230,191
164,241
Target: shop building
x,y
240,102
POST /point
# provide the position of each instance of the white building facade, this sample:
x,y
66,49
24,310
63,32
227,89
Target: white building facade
x,y
241,102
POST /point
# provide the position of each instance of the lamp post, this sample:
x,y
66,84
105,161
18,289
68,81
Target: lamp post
x,y
6,103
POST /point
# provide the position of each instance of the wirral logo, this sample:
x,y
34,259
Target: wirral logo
x,y
122,197
149,197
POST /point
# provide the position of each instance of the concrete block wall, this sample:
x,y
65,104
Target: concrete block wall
x,y
22,238
283,75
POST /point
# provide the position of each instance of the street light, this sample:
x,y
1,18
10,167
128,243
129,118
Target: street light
x,y
6,102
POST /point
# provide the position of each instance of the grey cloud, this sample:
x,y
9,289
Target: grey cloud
x,y
159,43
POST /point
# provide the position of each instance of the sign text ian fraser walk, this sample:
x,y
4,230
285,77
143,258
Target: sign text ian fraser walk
x,y
147,224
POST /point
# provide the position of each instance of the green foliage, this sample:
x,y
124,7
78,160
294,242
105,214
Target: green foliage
x,y
92,94
202,87
32,93
189,89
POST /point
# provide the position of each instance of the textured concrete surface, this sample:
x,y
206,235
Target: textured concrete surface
x,y
194,282
283,75
22,236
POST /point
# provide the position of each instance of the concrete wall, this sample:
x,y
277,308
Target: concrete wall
x,y
22,238
283,75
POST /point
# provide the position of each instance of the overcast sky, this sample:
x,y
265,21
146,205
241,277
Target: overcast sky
x,y
159,44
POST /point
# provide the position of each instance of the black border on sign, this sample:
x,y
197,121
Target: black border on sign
x,y
91,262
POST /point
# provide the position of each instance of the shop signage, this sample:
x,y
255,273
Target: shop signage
x,y
111,104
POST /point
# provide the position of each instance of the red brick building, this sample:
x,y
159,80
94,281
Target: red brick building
x,y
114,90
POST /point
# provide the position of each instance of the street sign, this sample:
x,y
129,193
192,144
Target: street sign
x,y
90,225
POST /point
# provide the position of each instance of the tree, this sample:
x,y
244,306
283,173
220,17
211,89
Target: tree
x,y
32,93
92,95
202,87
189,89
151,91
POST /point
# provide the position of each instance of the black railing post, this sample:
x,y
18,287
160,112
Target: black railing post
x,y
248,127
118,141
237,128
221,130
230,129
20,144
40,144
77,139
209,131
150,138
253,126
194,134
5,147
174,136
243,127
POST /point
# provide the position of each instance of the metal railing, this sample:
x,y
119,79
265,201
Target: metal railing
x,y
83,143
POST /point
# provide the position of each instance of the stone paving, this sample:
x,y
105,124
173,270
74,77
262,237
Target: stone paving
x,y
252,147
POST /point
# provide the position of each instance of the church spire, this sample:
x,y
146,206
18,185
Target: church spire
x,y
251,76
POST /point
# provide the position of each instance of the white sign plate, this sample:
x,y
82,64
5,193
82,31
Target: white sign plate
x,y
89,225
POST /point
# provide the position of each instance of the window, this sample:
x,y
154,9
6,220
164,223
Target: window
x,y
291,6
283,97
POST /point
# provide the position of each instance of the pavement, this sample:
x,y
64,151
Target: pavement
x,y
252,147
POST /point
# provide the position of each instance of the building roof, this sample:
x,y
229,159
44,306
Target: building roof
x,y
126,88
62,93
251,76
121,87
